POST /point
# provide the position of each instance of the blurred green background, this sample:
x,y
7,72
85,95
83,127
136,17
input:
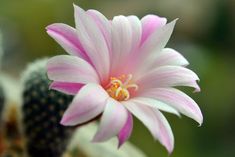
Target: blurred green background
x,y
204,34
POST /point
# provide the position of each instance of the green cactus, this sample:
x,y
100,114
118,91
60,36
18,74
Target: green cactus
x,y
42,111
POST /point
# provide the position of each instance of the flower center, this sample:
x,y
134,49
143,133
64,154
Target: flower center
x,y
119,88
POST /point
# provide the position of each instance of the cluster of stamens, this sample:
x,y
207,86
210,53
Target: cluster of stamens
x,y
118,88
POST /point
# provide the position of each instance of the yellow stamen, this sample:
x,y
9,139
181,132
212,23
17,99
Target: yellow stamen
x,y
118,87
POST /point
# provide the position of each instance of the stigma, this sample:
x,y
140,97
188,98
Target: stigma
x,y
119,88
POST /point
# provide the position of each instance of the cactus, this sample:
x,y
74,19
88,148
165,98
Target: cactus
x,y
42,111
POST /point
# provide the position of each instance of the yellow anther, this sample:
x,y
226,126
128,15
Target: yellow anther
x,y
118,87
132,86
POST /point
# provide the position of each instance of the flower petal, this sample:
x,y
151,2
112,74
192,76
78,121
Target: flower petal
x,y
93,42
159,38
166,136
87,104
71,69
166,57
178,100
168,76
127,60
112,121
125,132
152,45
169,56
67,37
154,121
126,36
103,23
121,32
155,104
136,28
67,88
151,23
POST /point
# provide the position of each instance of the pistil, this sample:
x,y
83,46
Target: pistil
x,y
118,88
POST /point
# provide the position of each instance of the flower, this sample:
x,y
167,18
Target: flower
x,y
120,68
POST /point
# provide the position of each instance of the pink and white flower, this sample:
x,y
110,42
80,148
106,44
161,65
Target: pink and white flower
x,y
119,68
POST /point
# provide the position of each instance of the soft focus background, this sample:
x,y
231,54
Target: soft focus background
x,y
204,34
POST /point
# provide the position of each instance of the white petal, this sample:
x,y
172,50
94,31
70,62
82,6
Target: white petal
x,y
103,23
150,24
155,104
166,136
87,104
67,37
168,76
178,100
154,121
112,121
121,40
71,69
126,130
136,31
158,40
65,87
93,42
145,114
154,44
167,56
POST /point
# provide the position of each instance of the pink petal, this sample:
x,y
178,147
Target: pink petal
x,y
178,100
159,38
126,36
150,23
126,131
112,121
169,56
93,42
195,85
103,23
71,69
136,28
166,136
155,104
67,37
65,87
168,76
154,121
152,45
166,57
87,104
121,32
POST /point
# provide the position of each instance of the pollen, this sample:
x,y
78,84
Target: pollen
x,y
119,88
